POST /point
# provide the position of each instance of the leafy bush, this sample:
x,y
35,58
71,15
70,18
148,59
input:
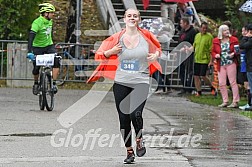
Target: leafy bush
x,y
237,18
16,18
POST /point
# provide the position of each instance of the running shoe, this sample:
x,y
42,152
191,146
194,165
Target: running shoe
x,y
140,148
130,157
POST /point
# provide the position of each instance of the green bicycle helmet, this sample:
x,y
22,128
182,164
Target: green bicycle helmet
x,y
46,7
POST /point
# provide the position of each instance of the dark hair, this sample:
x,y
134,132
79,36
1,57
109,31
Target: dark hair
x,y
228,23
245,27
185,20
204,23
249,26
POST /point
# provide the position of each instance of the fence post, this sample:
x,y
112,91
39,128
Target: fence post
x,y
18,66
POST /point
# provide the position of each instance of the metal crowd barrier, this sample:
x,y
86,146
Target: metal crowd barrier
x,y
177,70
76,67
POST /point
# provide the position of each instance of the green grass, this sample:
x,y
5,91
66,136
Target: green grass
x,y
215,101
247,114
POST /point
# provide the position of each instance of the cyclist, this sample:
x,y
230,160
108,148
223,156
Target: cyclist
x,y
40,42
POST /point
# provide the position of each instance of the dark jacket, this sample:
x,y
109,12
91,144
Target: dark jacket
x,y
216,49
246,44
188,35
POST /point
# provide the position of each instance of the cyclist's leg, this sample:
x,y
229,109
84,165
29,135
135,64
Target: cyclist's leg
x,y
55,73
51,49
35,71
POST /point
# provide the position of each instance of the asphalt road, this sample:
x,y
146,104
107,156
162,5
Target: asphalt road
x,y
177,132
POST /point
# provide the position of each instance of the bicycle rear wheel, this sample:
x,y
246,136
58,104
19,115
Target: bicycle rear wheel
x,y
41,100
47,93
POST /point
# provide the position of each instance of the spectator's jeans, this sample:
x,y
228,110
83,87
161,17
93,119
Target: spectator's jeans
x,y
230,72
169,10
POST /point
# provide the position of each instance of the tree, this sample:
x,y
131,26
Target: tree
x,y
237,17
16,18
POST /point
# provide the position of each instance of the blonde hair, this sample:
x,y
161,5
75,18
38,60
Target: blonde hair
x,y
221,29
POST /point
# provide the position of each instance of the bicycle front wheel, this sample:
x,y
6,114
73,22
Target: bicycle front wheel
x,y
47,92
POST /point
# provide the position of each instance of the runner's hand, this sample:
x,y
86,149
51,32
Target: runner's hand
x,y
152,57
116,49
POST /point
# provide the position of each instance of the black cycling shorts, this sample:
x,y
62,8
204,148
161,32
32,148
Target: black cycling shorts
x,y
44,50
200,69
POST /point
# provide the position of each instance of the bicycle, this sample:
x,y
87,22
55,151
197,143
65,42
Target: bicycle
x,y
46,93
80,65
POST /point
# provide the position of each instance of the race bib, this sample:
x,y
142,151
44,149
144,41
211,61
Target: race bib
x,y
45,60
130,65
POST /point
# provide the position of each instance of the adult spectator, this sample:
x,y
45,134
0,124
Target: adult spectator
x,y
242,76
186,68
202,58
185,11
168,10
223,51
246,44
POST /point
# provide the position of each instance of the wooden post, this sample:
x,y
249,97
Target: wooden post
x,y
19,70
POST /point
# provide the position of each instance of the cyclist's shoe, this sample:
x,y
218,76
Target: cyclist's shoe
x,y
55,89
35,89
130,157
140,148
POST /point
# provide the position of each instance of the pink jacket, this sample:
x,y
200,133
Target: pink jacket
x,y
107,67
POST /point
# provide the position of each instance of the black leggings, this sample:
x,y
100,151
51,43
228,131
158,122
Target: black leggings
x,y
130,101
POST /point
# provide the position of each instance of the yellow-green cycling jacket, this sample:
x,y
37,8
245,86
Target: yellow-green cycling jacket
x,y
202,48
